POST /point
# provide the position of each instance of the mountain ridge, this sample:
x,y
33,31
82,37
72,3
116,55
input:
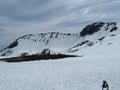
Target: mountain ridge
x,y
59,43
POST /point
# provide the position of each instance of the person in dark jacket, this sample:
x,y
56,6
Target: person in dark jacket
x,y
105,85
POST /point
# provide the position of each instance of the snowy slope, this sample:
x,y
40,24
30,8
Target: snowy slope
x,y
96,38
100,62
55,42
32,44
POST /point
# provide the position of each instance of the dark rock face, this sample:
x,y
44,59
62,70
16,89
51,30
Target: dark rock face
x,y
24,54
90,29
82,43
113,29
7,53
45,52
14,44
95,27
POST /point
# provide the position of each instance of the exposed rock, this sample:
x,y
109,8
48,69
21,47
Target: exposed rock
x,y
14,44
90,29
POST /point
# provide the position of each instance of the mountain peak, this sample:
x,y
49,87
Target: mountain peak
x,y
95,27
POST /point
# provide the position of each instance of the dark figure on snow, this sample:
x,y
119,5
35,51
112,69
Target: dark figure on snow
x,y
105,85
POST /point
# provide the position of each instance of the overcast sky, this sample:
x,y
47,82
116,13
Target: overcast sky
x,y
20,17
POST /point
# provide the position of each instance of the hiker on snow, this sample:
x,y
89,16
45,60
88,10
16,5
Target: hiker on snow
x,y
105,85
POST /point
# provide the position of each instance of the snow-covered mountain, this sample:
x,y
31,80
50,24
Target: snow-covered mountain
x,y
98,42
43,43
61,43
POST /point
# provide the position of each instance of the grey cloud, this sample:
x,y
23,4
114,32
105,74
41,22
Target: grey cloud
x,y
19,17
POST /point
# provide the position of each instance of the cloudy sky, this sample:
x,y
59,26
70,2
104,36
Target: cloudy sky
x,y
20,17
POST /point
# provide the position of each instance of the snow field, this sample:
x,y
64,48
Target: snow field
x,y
84,73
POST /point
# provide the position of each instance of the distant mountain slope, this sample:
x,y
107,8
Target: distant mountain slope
x,y
51,42
60,43
95,34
